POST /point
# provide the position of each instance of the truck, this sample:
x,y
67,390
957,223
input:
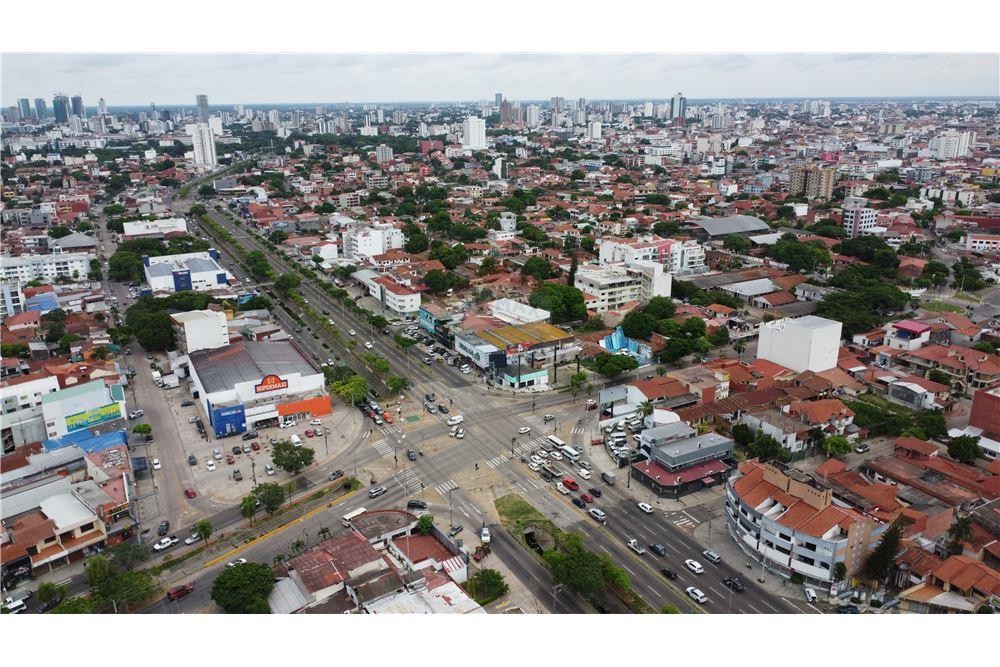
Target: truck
x,y
296,440
608,477
157,378
171,381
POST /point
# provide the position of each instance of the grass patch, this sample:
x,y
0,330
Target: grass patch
x,y
965,296
885,404
516,514
942,307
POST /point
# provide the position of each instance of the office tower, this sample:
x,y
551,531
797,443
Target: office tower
x,y
533,115
24,106
581,103
203,143
506,112
474,133
40,109
380,116
383,154
859,219
102,107
77,106
498,98
594,129
647,109
60,107
678,106
201,101
557,104
811,181
12,114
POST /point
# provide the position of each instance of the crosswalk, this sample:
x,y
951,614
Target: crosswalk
x,y
484,406
444,487
409,480
383,448
579,430
496,461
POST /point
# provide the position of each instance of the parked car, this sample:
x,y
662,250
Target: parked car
x,y
164,528
190,493
694,566
316,422
237,450
578,502
696,595
255,446
187,404
269,469
237,475
191,539
309,433
455,530
862,448
166,543
416,505
210,465
246,448
156,464
250,435
135,414
848,609
217,454
229,459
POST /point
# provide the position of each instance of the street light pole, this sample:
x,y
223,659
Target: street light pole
x,y
512,441
451,518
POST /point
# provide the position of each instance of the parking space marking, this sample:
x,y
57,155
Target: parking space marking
x,y
818,611
765,602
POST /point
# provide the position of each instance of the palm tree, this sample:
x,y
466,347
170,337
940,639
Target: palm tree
x,y
248,507
646,408
739,347
960,531
203,529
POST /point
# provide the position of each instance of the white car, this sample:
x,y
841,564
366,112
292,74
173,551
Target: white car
x,y
330,322
536,460
556,456
484,535
583,474
542,454
238,561
191,540
269,469
534,466
455,419
694,566
460,433
156,464
524,429
634,545
166,543
368,345
466,369
350,331
317,431
210,465
316,422
696,595
646,507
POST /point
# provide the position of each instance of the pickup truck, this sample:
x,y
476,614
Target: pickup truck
x,y
634,545
166,543
561,489
14,606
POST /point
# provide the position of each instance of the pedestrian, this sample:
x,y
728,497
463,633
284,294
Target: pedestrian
x,y
477,466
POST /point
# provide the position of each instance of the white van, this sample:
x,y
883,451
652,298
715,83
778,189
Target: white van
x,y
583,474
295,440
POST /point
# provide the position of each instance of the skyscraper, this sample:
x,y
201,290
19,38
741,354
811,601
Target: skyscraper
x,y
506,112
474,133
40,109
60,107
678,106
533,115
498,98
811,181
202,102
77,106
24,106
102,107
203,142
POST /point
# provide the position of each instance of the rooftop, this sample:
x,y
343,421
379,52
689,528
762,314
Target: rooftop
x,y
222,368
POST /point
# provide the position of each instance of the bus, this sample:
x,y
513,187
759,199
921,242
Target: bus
x,y
556,441
570,453
350,516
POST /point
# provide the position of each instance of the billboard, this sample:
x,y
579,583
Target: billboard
x,y
93,417
270,383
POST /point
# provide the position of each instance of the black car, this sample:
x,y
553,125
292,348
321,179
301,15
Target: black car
x,y
442,408
336,474
658,549
455,530
237,475
250,435
734,584
187,404
576,500
429,397
51,604
164,528
410,454
192,461
668,573
848,609
595,492
237,449
416,505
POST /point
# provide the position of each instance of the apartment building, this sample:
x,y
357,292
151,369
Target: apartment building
x,y
811,181
859,220
611,287
680,257
363,242
46,268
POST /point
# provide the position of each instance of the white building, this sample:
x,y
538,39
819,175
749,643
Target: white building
x,y
680,257
154,229
383,154
363,242
611,287
203,143
474,133
198,271
951,145
594,130
26,268
201,330
858,221
400,299
83,406
22,410
533,115
807,343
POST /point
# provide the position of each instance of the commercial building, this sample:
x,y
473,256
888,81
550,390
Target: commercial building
x,y
791,527
60,108
21,406
249,384
678,106
474,133
858,220
46,268
744,225
808,343
811,181
203,144
679,461
82,407
612,287
40,108
78,109
201,101
200,330
163,228
397,298
198,271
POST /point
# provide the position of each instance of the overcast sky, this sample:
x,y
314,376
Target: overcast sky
x,y
253,79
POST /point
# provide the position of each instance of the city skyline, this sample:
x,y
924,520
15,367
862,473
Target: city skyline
x,y
124,80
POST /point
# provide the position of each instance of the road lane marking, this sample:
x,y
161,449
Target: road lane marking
x,y
765,602
715,591
628,568
814,608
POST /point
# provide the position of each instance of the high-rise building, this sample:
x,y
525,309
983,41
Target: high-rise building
x,y
24,106
203,142
215,123
811,181
40,109
383,153
557,104
498,98
647,109
594,130
77,106
951,144
678,105
60,107
201,101
474,133
533,115
859,219
102,107
506,112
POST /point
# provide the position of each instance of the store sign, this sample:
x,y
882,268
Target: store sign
x,y
271,383
93,417
515,349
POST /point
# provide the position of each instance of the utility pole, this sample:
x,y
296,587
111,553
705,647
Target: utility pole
x,y
512,443
451,518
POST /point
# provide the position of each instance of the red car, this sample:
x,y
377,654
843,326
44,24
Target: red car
x,y
309,433
586,497
180,591
255,446
230,460
387,417
190,493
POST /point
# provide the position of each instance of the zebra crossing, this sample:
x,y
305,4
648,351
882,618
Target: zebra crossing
x,y
497,460
484,406
383,448
409,480
524,449
579,430
445,487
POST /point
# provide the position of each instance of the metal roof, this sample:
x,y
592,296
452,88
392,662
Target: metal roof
x,y
222,368
731,224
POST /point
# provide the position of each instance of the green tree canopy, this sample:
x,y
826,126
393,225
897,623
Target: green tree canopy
x,y
880,561
290,458
270,494
965,448
537,267
565,303
612,365
244,589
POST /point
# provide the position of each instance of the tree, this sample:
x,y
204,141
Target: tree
x,y
879,563
259,266
935,375
835,445
416,243
936,272
839,571
397,384
737,244
488,266
612,365
48,592
125,265
576,382
660,307
153,329
720,336
352,389
142,429
290,458
287,282
669,609
424,524
742,435
244,589
960,531
965,448
128,587
933,423
248,507
128,555
59,231
438,281
564,303
271,495
488,585
538,268
766,448
638,324
203,529
79,605
578,568
198,210
206,191
98,569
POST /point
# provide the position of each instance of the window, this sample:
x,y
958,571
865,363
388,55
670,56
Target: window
x,y
87,527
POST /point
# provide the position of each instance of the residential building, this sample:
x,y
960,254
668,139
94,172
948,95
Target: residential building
x,y
474,133
858,220
201,102
907,335
47,268
950,145
383,154
959,585
40,108
776,516
203,143
612,287
21,401
680,257
807,343
361,242
811,181
399,299
982,243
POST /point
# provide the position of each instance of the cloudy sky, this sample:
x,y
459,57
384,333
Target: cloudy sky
x,y
124,79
